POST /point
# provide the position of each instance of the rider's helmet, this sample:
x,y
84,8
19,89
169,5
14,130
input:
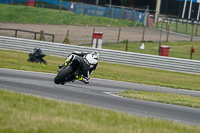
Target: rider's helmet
x,y
38,50
95,55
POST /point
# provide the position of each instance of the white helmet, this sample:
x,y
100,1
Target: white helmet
x,y
95,55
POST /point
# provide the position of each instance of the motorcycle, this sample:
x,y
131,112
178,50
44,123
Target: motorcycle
x,y
69,73
37,56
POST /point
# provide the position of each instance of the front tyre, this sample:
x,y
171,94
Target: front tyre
x,y
60,77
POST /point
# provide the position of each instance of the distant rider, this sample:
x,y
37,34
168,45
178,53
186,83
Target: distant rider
x,y
89,63
37,56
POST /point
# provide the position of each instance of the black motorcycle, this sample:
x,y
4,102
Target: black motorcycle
x,y
37,56
69,73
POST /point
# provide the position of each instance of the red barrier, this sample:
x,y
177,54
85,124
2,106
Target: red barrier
x,y
31,3
164,50
151,17
192,50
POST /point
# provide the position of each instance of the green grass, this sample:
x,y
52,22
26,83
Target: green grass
x,y
30,114
22,113
169,98
177,49
17,60
21,14
181,28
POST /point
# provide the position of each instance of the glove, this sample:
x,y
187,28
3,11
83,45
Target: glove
x,y
64,64
60,66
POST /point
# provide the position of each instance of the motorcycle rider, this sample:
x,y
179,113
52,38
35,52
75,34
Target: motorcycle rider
x,y
37,56
89,63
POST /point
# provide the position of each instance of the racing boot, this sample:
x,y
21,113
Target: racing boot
x,y
77,78
83,79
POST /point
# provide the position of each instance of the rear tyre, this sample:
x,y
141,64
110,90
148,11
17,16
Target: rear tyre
x,y
60,78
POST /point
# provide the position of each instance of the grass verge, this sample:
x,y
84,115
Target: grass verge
x,y
182,28
17,60
22,113
21,14
30,114
177,49
169,98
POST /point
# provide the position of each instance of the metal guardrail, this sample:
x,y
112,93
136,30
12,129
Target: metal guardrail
x,y
112,56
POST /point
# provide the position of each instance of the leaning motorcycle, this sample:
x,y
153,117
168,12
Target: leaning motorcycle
x,y
37,56
68,73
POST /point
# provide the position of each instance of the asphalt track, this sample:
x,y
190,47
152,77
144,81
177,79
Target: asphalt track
x,y
99,93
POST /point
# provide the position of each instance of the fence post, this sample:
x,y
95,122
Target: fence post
x,y
133,14
126,45
60,5
160,39
66,40
197,25
35,36
12,2
192,33
15,33
41,35
119,34
143,33
176,25
83,9
122,12
67,33
157,21
186,26
92,36
167,23
53,38
168,33
191,52
110,11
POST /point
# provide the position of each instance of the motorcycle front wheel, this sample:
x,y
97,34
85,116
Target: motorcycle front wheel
x,y
60,78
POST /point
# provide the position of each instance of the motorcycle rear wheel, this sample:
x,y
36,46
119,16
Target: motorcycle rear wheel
x,y
60,78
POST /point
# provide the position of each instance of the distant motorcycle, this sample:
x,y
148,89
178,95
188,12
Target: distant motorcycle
x,y
37,56
69,73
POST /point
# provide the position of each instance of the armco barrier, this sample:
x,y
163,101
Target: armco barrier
x,y
112,56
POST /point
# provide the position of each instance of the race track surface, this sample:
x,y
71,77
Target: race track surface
x,y
99,93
